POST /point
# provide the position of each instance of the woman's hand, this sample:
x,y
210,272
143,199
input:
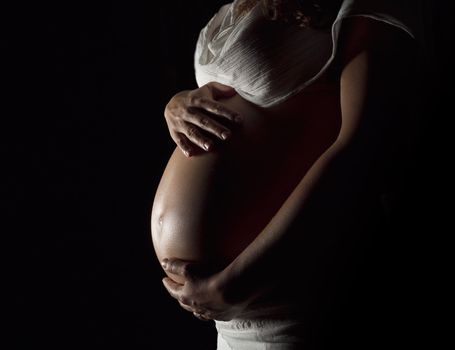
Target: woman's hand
x,y
190,117
202,295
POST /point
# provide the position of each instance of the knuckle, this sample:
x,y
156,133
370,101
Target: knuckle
x,y
187,99
192,131
174,118
170,268
188,112
185,271
171,117
180,140
204,121
194,100
220,110
215,108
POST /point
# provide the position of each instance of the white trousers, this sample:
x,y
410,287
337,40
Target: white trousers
x,y
260,334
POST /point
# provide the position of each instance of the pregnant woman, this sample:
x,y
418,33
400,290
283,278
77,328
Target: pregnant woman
x,y
322,90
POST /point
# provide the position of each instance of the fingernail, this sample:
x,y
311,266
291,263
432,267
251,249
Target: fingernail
x,y
187,153
225,135
206,146
164,264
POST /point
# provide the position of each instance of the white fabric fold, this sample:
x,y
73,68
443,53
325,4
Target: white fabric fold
x,y
267,61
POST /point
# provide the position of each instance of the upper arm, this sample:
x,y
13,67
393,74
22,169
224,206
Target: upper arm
x,y
353,94
376,82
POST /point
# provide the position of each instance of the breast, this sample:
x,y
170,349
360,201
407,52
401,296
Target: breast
x,y
264,60
209,207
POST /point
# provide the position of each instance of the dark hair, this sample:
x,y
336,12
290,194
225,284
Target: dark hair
x,y
318,14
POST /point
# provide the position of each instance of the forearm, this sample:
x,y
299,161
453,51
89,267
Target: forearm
x,y
298,228
334,196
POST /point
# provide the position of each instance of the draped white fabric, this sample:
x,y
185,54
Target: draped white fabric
x,y
270,61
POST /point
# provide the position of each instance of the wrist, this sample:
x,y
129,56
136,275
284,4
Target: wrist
x,y
233,286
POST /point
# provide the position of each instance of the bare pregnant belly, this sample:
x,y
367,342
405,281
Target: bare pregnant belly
x,y
209,207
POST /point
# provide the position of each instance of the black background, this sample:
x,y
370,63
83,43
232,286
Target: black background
x,y
83,146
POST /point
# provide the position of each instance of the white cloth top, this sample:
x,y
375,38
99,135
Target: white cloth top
x,y
268,61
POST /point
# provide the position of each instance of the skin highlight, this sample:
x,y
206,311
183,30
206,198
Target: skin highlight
x,y
372,58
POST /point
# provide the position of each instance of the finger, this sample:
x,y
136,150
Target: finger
x,y
213,107
219,90
208,124
177,294
207,315
186,307
177,267
173,288
184,144
193,133
200,316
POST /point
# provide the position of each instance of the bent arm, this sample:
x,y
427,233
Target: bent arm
x,y
346,175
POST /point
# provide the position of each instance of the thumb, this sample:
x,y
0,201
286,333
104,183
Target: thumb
x,y
188,269
221,91
178,267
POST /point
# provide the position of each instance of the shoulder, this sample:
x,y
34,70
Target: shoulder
x,y
378,41
375,67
